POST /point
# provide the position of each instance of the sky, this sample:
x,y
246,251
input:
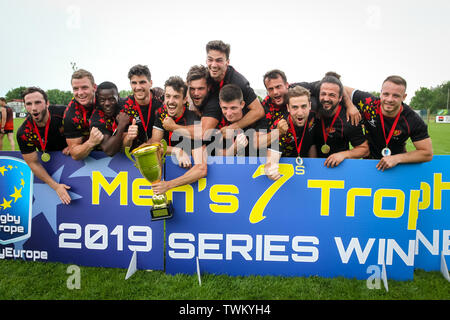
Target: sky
x,y
363,41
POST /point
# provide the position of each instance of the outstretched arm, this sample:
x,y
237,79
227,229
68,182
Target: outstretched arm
x,y
423,153
39,171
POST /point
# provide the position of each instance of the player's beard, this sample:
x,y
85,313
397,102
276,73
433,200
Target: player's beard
x,y
327,112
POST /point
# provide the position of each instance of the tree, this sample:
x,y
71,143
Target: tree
x,y
431,99
56,96
15,93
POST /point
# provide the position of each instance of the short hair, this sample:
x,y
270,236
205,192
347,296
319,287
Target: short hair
x,y
334,80
197,72
298,91
81,73
29,90
397,80
274,74
177,84
106,85
2,99
140,70
218,45
230,92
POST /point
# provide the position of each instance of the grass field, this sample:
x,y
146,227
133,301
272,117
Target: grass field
x,y
34,280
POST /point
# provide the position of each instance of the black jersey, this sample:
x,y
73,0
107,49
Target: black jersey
x,y
28,139
212,107
409,125
339,136
144,115
76,120
288,143
187,118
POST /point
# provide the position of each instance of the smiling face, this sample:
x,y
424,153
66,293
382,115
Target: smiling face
x,y
140,85
217,64
299,108
277,90
232,110
174,102
107,100
329,98
391,98
198,91
37,107
83,91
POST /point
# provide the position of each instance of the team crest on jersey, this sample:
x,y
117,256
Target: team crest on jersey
x,y
16,196
397,133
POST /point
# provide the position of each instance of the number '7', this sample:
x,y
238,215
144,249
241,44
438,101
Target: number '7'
x,y
287,171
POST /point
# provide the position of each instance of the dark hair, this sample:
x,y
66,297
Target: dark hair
x,y
140,70
218,45
274,74
230,92
397,80
177,84
107,85
198,72
332,79
2,99
29,90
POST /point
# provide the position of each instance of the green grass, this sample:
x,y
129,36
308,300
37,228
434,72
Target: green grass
x,y
39,280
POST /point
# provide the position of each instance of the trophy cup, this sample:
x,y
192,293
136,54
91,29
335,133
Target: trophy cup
x,y
150,161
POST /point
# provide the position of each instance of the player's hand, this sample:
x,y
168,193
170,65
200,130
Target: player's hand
x,y
228,131
241,141
61,191
160,187
169,124
95,137
183,158
353,115
387,162
122,119
282,127
271,171
334,160
66,151
132,132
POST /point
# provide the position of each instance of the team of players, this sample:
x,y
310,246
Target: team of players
x,y
216,112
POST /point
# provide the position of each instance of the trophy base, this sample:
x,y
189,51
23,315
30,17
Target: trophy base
x,y
161,213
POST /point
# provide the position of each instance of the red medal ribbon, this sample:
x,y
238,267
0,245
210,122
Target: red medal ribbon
x,y
298,146
391,132
47,125
325,134
145,125
176,121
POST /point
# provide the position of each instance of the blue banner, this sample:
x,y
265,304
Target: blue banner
x,y
312,221
105,222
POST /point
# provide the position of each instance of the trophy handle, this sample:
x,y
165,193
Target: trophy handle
x,y
127,153
164,146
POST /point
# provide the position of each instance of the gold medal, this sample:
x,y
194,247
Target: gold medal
x,y
325,149
45,157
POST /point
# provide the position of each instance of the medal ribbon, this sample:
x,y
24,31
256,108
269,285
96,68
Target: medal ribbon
x,y
47,125
325,134
145,125
176,121
291,124
391,132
